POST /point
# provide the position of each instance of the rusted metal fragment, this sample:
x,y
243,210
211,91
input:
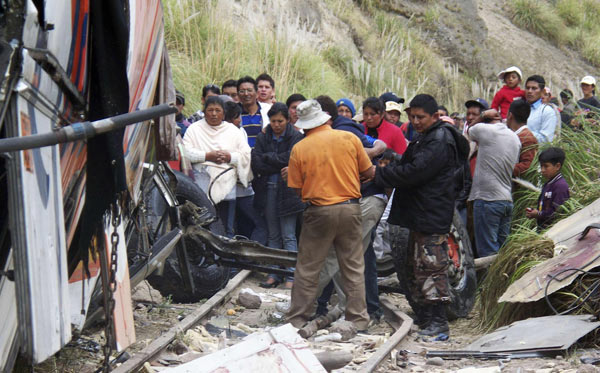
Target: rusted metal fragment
x,y
567,231
532,286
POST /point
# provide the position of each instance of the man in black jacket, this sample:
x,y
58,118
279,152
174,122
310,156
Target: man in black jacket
x,y
424,202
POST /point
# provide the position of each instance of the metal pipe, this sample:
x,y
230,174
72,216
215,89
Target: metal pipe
x,y
84,130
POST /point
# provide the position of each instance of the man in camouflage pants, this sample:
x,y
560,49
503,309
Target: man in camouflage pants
x,y
425,180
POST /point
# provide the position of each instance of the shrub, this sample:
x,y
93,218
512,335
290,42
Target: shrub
x,y
571,11
538,17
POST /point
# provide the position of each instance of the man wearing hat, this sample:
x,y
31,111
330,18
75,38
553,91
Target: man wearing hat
x,y
393,111
474,109
589,100
326,169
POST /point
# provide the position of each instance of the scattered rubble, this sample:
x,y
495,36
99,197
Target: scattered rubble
x,y
345,328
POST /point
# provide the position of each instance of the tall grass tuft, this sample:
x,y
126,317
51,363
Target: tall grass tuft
x,y
538,17
206,48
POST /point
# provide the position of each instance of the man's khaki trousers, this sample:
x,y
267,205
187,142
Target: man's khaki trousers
x,y
323,227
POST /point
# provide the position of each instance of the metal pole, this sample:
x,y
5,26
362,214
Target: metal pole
x,y
84,130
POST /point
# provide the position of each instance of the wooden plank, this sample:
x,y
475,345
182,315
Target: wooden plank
x,y
385,349
40,255
192,319
124,326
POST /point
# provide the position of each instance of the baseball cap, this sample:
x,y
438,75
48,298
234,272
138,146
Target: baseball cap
x,y
391,96
392,105
588,80
479,102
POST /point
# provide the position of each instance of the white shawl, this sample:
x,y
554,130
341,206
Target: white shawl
x,y
201,138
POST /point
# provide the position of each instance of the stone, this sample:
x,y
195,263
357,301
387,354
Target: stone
x,y
417,369
179,348
435,361
587,368
345,328
249,301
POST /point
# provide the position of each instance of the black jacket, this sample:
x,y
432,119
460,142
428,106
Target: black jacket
x,y
425,180
268,158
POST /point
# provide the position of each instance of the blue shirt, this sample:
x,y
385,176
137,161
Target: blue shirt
x,y
252,124
542,121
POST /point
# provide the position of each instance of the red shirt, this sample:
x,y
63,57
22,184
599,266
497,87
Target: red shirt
x,y
504,97
391,135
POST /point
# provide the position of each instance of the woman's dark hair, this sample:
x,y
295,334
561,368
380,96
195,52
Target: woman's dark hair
x,y
375,104
211,88
328,106
425,102
247,79
279,108
293,98
388,155
566,94
214,100
232,111
553,155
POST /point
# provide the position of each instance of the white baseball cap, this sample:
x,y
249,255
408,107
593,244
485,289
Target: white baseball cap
x,y
512,69
588,80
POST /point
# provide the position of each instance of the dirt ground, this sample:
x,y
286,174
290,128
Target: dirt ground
x,y
154,315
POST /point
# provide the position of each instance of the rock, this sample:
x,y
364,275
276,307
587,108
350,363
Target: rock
x,y
179,348
249,301
549,365
587,368
417,369
436,361
345,328
282,307
334,337
559,357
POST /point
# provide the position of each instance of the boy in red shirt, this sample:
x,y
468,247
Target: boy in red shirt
x,y
509,92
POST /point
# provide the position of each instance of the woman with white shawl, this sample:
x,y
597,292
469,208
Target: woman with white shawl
x,y
220,156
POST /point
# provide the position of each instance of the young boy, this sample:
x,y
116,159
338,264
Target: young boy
x,y
509,92
556,190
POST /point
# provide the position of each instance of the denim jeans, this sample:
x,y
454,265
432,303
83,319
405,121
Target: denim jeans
x,y
281,229
492,225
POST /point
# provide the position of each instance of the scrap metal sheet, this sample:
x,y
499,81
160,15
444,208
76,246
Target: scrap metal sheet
x,y
541,333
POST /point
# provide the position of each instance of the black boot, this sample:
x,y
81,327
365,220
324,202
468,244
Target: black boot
x,y
439,321
422,315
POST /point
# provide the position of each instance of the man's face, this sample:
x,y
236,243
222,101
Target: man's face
x,y
208,94
421,120
265,91
392,116
247,94
371,117
231,92
473,113
179,108
293,112
533,92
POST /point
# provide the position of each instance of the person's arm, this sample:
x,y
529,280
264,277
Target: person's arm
x,y
496,101
294,172
547,126
378,148
281,160
528,152
425,165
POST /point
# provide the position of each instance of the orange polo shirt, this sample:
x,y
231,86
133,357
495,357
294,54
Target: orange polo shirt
x,y
326,165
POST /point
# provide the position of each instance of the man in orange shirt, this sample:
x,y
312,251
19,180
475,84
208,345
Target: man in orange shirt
x,y
326,169
516,120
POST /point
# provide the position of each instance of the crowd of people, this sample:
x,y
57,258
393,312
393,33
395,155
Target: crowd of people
x,y
320,177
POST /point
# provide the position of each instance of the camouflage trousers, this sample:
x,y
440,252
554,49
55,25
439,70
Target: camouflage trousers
x,y
427,268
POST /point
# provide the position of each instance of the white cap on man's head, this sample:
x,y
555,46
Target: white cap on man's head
x,y
310,115
512,69
588,80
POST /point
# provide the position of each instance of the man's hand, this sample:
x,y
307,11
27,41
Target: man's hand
x,y
367,175
532,213
284,174
491,116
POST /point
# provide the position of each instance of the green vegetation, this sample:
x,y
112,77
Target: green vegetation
x,y
207,48
574,23
525,247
